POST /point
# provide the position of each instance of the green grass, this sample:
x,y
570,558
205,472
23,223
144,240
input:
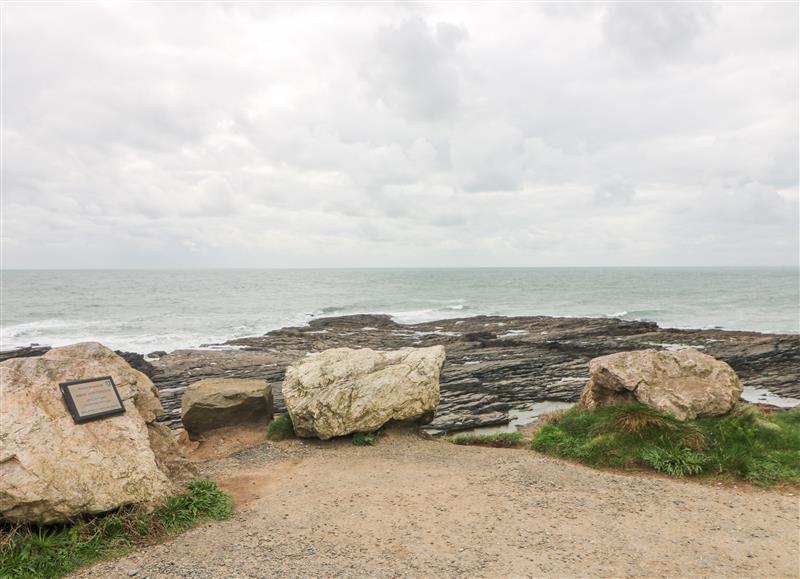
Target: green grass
x,y
745,444
499,440
44,551
203,501
674,460
364,438
280,428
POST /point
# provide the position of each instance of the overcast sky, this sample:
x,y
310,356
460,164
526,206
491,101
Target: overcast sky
x,y
303,135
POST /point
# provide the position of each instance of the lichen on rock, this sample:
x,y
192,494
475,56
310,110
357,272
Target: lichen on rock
x,y
343,390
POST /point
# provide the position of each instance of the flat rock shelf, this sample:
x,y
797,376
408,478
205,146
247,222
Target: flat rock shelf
x,y
494,363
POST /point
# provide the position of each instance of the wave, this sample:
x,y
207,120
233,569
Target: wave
x,y
414,316
637,315
163,327
37,325
332,309
437,309
429,314
44,330
640,313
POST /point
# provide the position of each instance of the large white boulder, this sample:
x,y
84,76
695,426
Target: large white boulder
x,y
342,391
52,469
685,384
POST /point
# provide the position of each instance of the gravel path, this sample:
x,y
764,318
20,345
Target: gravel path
x,y
421,508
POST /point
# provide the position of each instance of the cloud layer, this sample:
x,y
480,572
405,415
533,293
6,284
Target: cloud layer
x,y
282,135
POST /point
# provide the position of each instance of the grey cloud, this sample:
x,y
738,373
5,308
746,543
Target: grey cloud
x,y
614,193
224,135
655,31
451,219
415,69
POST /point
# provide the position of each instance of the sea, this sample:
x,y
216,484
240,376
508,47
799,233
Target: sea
x,y
143,311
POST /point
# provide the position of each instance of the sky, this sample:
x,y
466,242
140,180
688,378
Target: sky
x,y
178,135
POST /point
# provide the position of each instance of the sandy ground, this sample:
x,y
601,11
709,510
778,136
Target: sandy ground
x,y
421,508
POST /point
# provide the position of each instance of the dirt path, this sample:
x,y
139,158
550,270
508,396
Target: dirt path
x,y
413,507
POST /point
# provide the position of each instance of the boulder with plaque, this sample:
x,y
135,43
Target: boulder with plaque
x,y
79,436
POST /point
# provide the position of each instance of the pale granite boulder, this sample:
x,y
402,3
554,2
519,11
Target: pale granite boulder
x,y
685,383
52,469
218,402
342,391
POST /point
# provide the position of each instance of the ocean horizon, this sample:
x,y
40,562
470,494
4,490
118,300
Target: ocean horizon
x,y
421,267
160,309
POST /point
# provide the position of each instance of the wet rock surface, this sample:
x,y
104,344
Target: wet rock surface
x,y
494,363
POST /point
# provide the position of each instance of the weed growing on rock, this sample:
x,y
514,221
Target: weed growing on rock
x,y
280,428
745,443
44,551
364,438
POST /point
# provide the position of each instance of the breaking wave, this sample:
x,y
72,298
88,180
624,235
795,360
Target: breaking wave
x,y
165,310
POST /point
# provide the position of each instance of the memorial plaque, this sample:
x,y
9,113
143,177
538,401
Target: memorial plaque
x,y
92,398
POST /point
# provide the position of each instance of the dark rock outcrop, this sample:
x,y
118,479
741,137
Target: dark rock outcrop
x,y
25,352
494,363
137,362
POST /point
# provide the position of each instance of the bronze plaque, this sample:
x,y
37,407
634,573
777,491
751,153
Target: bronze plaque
x,y
92,398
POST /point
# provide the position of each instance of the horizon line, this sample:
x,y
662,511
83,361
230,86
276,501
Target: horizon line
x,y
426,267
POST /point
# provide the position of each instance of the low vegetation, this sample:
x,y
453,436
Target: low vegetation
x,y
499,440
34,551
280,428
746,443
364,438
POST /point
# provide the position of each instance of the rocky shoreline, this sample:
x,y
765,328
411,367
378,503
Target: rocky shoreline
x,y
494,363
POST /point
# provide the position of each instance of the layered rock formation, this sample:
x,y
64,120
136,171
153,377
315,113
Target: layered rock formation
x,y
342,391
494,363
686,383
217,402
52,469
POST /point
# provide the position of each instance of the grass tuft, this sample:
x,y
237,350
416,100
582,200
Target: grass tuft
x,y
635,419
203,501
44,551
280,428
552,417
364,438
499,440
746,443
